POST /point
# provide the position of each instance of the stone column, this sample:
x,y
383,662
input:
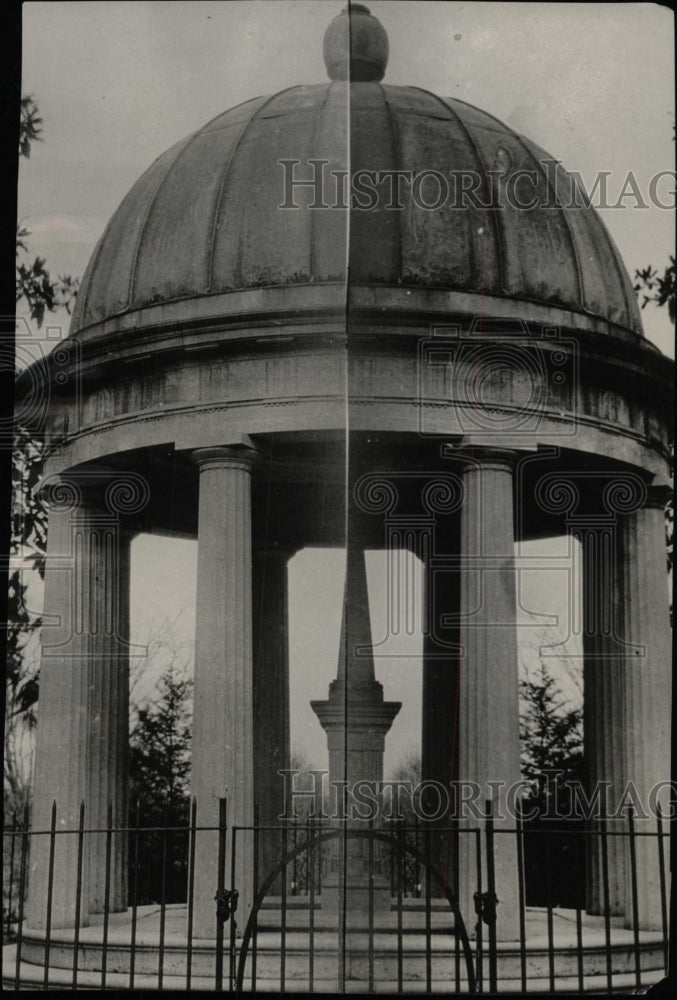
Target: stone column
x,y
82,740
60,758
439,731
223,712
489,747
108,709
647,684
603,708
271,697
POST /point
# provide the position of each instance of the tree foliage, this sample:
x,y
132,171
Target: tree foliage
x,y
304,781
39,290
551,730
159,785
29,519
159,766
34,284
30,125
19,743
27,545
551,733
27,555
407,769
658,288
653,286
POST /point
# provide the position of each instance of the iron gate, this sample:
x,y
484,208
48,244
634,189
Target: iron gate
x,y
379,941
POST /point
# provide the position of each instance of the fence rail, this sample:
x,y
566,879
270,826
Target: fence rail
x,y
429,929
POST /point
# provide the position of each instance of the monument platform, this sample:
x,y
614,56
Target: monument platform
x,y
395,956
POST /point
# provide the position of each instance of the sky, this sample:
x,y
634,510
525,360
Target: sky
x,y
117,83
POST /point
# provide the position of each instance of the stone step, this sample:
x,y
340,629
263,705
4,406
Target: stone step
x,y
415,953
32,977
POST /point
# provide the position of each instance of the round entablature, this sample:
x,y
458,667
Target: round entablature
x,y
534,384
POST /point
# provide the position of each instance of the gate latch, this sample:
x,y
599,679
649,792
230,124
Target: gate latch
x,y
485,906
226,903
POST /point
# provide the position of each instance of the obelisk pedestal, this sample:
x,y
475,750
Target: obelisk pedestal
x,y
356,731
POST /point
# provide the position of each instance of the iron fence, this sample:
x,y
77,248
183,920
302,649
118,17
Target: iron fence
x,y
418,926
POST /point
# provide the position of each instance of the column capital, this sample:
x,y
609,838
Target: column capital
x,y
59,492
482,456
69,492
104,490
225,457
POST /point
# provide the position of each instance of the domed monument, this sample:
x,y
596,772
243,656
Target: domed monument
x,y
355,315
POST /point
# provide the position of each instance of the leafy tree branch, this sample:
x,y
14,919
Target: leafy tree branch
x,y
34,284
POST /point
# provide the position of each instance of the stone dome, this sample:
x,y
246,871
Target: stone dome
x,y
205,220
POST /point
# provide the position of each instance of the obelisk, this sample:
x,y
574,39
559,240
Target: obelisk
x,y
356,719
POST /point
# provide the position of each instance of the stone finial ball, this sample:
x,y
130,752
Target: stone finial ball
x,y
363,56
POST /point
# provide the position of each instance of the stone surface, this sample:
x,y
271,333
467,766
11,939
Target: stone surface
x,y
440,703
108,710
223,706
189,228
60,764
355,46
648,687
271,698
82,744
603,710
325,952
489,747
